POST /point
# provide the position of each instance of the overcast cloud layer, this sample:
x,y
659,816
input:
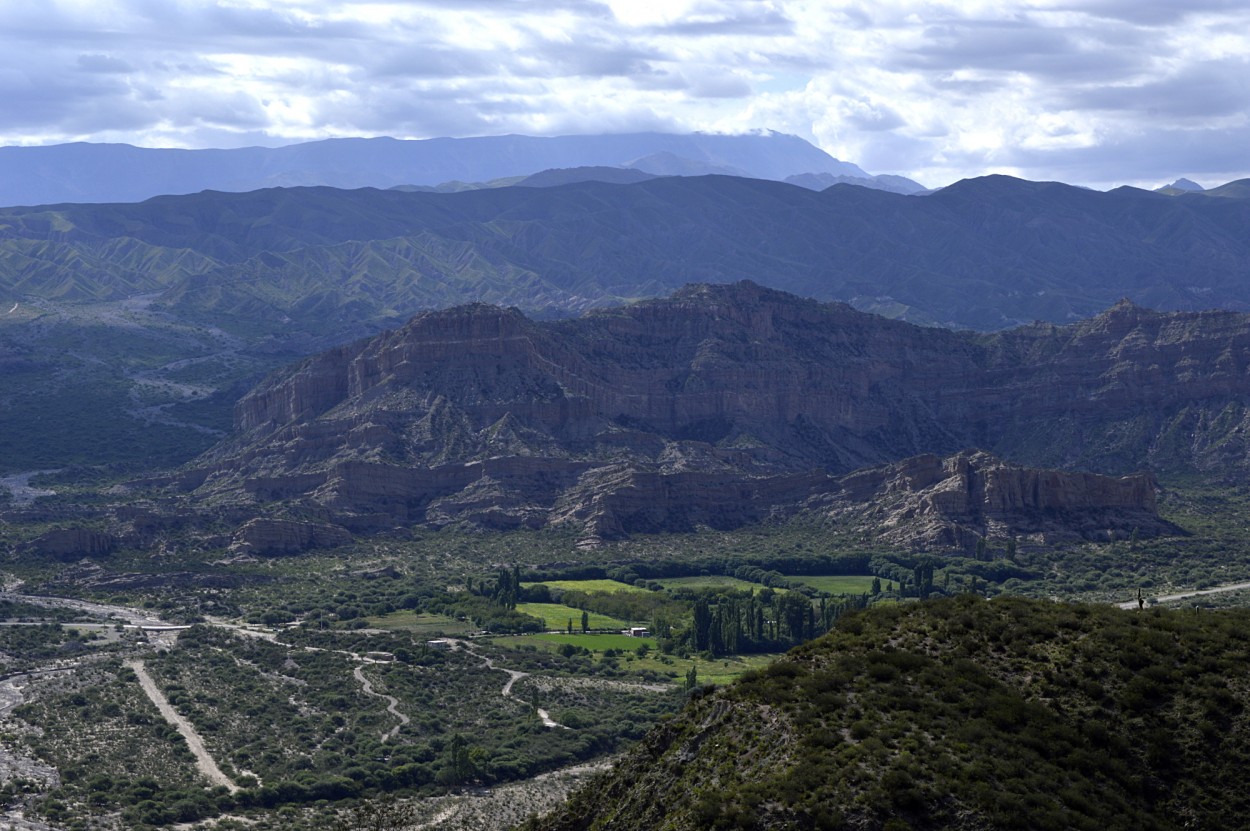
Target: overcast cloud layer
x,y
1100,92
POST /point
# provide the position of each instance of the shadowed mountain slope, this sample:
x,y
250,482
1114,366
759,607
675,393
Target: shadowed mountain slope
x,y
724,398
983,253
213,287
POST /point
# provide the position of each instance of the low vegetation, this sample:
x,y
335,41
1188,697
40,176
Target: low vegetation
x,y
958,713
291,723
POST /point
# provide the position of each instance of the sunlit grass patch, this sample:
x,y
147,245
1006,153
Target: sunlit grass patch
x,y
419,623
597,642
709,581
589,586
557,616
837,583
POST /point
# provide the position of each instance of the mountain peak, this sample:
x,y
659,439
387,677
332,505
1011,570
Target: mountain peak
x,y
742,390
1187,185
1124,313
1125,306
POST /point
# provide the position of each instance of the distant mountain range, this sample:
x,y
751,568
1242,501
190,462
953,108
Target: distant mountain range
x,y
983,253
893,184
122,173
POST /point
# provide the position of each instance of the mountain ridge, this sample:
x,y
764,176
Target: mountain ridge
x,y
1027,251
84,172
726,401
239,283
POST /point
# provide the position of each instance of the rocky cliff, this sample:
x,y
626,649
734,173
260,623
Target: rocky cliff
x,y
278,536
70,544
928,502
726,404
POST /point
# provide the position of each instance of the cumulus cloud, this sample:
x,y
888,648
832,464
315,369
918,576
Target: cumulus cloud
x,y
1099,92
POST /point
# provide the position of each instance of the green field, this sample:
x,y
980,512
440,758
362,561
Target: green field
x,y
558,616
596,643
709,581
716,671
589,586
623,645
837,583
727,669
419,623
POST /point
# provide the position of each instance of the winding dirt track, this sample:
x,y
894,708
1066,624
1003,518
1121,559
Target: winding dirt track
x,y
392,705
203,760
514,675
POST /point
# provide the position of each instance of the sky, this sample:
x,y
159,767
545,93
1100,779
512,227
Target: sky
x,y
1092,92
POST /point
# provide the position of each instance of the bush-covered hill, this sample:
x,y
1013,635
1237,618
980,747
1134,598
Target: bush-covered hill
x,y
983,253
961,713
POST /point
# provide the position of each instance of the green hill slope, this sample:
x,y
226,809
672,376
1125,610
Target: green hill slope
x,y
961,714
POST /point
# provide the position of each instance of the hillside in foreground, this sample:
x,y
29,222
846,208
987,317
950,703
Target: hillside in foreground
x,y
963,714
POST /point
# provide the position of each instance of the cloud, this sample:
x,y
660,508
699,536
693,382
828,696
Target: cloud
x,y
1213,156
103,64
1099,91
1208,90
1020,46
1157,12
763,20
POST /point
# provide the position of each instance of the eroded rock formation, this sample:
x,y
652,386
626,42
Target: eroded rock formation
x,y
71,544
283,536
928,502
720,405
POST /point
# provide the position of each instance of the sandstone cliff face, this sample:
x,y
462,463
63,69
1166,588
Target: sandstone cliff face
x,y
71,544
704,408
754,364
281,536
929,502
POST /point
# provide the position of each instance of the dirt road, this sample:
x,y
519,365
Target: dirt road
x,y
514,675
1170,598
392,705
203,760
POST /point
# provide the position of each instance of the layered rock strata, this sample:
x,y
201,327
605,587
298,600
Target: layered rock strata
x,y
280,536
711,407
930,503
71,544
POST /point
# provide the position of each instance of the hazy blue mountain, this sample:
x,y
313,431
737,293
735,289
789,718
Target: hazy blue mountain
x,y
983,253
456,186
570,175
1184,186
886,182
122,173
670,164
1237,189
